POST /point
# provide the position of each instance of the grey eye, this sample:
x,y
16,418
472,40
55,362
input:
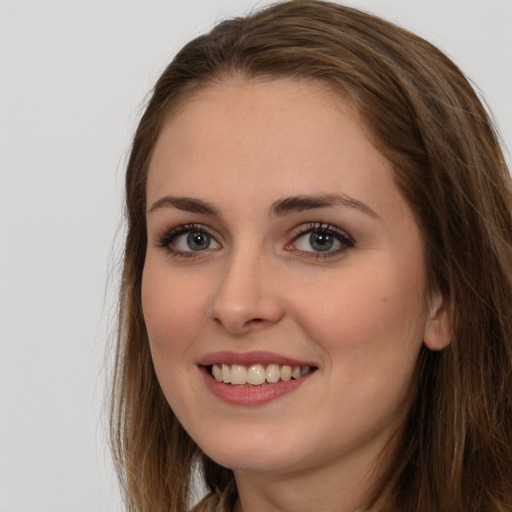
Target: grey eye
x,y
321,241
318,241
194,241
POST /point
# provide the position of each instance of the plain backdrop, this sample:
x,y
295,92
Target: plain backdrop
x,y
74,75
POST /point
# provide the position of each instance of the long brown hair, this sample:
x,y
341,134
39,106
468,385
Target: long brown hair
x,y
455,452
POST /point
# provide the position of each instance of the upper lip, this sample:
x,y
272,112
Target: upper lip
x,y
250,358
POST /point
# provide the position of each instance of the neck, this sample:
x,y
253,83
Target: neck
x,y
328,488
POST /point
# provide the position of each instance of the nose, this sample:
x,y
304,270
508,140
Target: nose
x,y
246,297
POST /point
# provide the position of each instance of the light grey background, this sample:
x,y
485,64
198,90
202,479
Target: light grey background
x,y
73,78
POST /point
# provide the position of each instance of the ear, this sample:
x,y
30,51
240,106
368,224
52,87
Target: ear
x,y
437,329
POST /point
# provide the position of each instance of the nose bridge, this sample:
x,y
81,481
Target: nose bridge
x,y
244,299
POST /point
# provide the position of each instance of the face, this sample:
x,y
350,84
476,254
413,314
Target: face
x,y
279,244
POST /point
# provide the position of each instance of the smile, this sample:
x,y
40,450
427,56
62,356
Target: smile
x,y
253,378
257,374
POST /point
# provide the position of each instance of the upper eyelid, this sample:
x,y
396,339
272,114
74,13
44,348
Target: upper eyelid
x,y
306,228
165,238
344,238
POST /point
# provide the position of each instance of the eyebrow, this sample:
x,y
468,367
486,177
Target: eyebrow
x,y
307,202
188,204
279,208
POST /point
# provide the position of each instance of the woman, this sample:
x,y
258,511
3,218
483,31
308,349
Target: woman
x,y
316,300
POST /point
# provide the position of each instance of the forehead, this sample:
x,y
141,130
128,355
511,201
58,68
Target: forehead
x,y
249,129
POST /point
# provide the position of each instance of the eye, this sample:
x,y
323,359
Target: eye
x,y
321,240
194,241
188,238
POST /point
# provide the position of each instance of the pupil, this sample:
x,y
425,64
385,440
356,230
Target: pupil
x,y
198,241
321,241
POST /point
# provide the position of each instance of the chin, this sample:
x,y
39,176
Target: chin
x,y
250,462
259,453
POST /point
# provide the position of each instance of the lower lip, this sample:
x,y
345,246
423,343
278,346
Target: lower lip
x,y
251,395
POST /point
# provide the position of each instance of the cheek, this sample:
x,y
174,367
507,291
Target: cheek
x,y
371,317
371,331
171,308
362,301
172,316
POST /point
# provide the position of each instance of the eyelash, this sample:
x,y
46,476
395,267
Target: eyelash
x,y
346,242
166,240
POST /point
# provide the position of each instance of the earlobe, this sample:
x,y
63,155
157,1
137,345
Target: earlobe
x,y
437,329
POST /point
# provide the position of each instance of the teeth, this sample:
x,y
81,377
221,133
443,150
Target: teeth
x,y
286,372
238,374
226,373
273,373
257,374
217,372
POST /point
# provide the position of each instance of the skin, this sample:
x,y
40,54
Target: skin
x,y
357,312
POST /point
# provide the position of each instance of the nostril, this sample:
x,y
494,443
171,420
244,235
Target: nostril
x,y
253,321
242,327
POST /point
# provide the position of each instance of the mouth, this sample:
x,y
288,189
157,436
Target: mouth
x,y
258,374
253,378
